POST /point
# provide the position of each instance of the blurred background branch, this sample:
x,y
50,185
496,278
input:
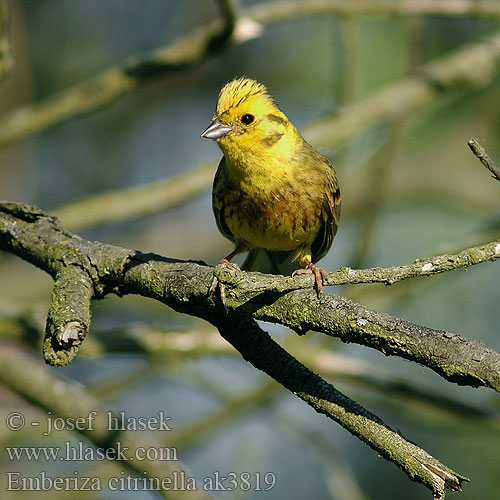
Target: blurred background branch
x,y
185,52
467,69
30,379
195,47
7,59
278,11
109,207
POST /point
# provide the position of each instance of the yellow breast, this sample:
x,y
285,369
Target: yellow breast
x,y
283,215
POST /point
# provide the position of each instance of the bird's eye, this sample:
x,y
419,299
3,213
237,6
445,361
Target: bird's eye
x,y
247,118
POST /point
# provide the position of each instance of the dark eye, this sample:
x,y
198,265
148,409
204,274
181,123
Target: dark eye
x,y
247,118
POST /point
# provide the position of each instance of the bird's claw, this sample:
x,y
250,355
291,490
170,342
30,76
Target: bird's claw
x,y
216,283
222,291
320,277
213,285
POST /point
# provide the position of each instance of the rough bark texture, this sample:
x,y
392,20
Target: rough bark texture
x,y
84,270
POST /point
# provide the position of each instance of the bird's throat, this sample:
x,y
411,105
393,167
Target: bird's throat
x,y
260,169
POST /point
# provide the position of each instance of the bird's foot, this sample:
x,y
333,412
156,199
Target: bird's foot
x,y
216,283
319,275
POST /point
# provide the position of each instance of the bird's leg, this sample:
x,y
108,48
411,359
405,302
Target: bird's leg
x,y
215,281
319,274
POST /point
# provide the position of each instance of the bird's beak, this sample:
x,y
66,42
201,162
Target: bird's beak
x,y
216,130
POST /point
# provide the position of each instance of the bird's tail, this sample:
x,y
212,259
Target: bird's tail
x,y
271,261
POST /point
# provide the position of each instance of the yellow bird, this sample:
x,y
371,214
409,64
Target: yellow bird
x,y
273,194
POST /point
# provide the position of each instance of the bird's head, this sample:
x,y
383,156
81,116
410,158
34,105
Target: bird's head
x,y
247,119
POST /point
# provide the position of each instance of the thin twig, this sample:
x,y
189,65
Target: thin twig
x,y
422,267
481,153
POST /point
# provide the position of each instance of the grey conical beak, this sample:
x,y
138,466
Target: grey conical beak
x,y
216,130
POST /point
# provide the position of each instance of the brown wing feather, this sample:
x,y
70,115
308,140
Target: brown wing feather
x,y
219,187
330,214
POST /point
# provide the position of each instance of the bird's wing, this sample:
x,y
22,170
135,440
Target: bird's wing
x,y
330,214
219,190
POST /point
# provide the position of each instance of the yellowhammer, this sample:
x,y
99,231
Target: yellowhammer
x,y
273,194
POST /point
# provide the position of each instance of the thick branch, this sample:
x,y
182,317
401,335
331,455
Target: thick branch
x,y
28,233
27,377
162,344
38,238
258,348
457,359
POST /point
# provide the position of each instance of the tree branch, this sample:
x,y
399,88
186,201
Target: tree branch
x,y
479,67
258,348
112,206
68,319
422,267
481,153
162,344
27,377
468,68
449,74
39,239
7,59
30,234
456,358
288,9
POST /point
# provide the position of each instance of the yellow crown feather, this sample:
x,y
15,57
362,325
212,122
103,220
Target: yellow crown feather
x,y
244,91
